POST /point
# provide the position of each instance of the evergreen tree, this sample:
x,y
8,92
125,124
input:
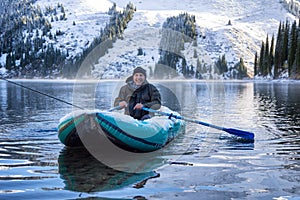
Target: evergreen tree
x,y
198,70
285,47
140,51
8,64
184,68
297,61
224,64
255,65
266,59
241,68
271,54
221,65
261,59
285,52
293,46
278,52
113,9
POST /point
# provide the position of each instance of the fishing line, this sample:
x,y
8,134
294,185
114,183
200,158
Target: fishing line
x,y
39,92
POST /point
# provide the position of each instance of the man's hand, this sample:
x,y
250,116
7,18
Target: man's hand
x,y
123,104
138,106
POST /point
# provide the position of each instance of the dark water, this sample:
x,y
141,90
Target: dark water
x,y
204,162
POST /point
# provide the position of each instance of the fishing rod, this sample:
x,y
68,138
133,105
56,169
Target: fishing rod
x,y
42,93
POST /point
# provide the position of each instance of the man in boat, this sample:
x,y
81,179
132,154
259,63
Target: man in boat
x,y
138,93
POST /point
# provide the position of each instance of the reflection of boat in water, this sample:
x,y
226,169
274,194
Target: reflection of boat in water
x,y
81,172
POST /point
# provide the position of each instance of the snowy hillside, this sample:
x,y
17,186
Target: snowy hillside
x,y
89,17
68,26
251,22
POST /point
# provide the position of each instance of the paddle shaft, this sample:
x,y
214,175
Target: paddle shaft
x,y
237,132
115,108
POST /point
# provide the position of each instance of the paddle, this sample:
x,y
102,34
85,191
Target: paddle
x,y
114,108
244,134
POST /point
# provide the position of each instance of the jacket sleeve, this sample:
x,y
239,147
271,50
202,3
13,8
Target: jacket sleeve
x,y
155,102
121,96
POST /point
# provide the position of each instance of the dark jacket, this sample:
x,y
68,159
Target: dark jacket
x,y
147,94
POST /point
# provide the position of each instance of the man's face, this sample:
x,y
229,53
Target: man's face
x,y
139,78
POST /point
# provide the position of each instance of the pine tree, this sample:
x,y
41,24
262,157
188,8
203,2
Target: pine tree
x,y
198,70
255,65
266,60
241,68
224,64
278,52
285,46
261,58
221,65
297,61
293,47
8,64
286,52
271,54
184,68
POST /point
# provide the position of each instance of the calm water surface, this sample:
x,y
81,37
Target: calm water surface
x,y
202,163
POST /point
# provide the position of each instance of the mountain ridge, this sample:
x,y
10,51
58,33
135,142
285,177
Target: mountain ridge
x,y
250,22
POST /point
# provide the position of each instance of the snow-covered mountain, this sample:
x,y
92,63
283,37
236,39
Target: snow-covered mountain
x,y
250,21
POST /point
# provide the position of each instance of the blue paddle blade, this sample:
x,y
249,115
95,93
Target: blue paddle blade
x,y
244,134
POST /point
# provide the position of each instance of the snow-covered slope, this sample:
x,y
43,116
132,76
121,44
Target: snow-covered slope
x,y
89,17
251,22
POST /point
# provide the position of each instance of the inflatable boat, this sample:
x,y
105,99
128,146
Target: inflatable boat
x,y
122,130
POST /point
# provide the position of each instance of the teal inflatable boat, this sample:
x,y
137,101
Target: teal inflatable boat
x,y
122,130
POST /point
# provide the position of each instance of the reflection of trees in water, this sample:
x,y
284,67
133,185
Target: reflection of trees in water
x,y
226,90
280,103
16,100
82,172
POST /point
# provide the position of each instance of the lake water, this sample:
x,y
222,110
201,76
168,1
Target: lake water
x,y
203,163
